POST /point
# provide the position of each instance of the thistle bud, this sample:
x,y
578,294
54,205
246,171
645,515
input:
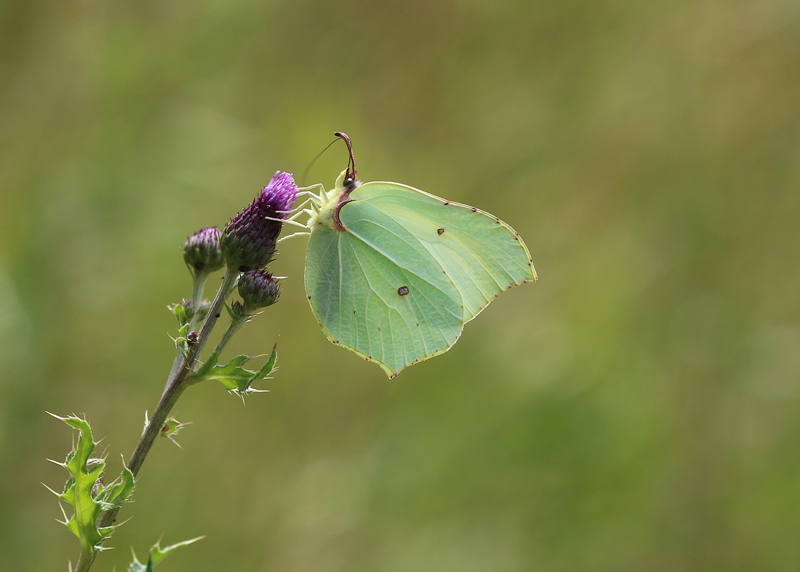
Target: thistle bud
x,y
258,289
239,310
183,311
248,241
202,253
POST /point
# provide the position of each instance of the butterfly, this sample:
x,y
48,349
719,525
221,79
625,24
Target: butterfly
x,y
393,273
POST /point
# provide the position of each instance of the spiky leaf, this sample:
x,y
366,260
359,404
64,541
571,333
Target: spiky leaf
x,y
157,554
118,492
233,376
171,428
85,493
181,342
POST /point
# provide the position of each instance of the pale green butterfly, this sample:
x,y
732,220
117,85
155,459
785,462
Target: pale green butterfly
x,y
393,273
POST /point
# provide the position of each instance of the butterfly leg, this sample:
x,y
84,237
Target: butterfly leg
x,y
298,213
307,191
294,234
297,208
286,221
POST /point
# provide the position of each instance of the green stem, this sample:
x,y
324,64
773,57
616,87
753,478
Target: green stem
x,y
197,288
198,285
235,325
175,387
225,289
197,298
85,560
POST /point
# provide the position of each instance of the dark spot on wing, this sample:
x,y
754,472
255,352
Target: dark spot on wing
x,y
474,209
440,231
445,204
403,290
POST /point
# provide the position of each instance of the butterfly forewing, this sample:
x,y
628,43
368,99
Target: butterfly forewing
x,y
481,254
376,290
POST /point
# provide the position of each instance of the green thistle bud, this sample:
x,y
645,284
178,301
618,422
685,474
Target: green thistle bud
x,y
183,311
202,253
248,241
258,289
239,311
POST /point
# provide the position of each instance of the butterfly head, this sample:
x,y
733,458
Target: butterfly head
x,y
350,180
346,183
325,208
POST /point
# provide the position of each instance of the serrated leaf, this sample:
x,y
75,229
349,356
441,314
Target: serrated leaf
x,y
85,493
171,428
233,376
157,554
78,492
136,566
118,493
181,343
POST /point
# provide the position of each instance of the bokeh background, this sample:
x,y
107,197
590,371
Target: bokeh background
x,y
637,409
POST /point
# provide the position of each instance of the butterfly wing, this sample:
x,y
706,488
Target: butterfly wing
x,y
377,291
482,255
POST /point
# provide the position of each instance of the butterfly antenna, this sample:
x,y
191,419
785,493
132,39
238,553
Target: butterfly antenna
x,y
314,160
351,174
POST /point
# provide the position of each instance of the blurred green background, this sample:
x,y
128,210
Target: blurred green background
x,y
637,409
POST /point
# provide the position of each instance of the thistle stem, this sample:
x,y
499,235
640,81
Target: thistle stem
x,y
198,285
176,385
235,325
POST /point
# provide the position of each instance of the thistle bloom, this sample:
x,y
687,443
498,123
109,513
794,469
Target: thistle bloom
x,y
248,241
202,253
258,289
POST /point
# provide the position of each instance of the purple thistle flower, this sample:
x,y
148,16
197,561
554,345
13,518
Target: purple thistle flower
x,y
248,241
201,252
258,289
